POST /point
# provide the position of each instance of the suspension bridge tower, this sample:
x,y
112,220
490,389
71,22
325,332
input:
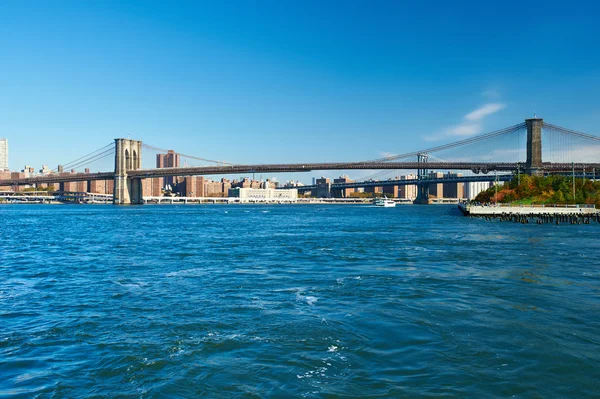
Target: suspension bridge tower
x,y
534,146
128,156
422,186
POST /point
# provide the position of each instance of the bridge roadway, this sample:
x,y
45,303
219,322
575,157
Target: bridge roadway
x,y
297,167
56,178
307,167
407,182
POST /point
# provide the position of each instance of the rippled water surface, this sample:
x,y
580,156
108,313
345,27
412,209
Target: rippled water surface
x,y
294,301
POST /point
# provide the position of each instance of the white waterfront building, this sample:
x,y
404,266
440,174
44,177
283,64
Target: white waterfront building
x,y
475,187
3,154
264,194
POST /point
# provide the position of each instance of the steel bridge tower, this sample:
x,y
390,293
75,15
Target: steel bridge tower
x,y
128,156
422,186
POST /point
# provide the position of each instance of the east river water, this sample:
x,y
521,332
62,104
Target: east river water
x,y
315,301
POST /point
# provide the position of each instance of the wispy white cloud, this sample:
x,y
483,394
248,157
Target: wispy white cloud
x,y
471,125
464,129
484,111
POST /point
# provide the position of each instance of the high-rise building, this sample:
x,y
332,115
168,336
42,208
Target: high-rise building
x,y
168,160
3,154
195,186
454,189
374,189
474,188
342,192
323,187
152,187
408,191
436,190
5,175
29,171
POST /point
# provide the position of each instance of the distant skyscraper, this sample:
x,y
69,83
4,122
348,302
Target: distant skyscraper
x,y
168,160
3,154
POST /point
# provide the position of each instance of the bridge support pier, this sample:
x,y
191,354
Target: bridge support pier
x,y
128,156
534,146
422,187
422,194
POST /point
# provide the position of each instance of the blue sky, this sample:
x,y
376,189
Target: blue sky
x,y
285,81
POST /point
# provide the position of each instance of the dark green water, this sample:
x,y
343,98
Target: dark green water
x,y
294,301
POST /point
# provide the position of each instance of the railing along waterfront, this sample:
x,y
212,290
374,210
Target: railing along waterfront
x,y
539,213
517,205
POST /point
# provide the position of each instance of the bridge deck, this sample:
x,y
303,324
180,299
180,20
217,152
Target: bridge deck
x,y
290,168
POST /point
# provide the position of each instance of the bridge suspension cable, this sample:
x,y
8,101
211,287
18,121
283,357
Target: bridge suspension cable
x,y
88,158
98,157
184,155
562,145
569,131
471,140
379,174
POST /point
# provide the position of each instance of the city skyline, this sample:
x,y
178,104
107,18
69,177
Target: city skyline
x,y
272,80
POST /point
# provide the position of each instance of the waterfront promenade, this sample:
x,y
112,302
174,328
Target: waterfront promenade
x,y
499,209
538,214
93,198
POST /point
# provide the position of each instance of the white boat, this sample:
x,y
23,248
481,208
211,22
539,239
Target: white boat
x,y
384,202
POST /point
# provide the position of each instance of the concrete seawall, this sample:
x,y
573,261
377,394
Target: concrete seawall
x,y
497,210
538,214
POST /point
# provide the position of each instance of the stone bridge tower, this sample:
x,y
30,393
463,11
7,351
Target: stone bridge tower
x,y
128,156
534,146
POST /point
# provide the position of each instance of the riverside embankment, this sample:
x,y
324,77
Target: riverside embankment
x,y
572,214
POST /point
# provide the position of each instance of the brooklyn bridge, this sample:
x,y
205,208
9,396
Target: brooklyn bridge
x,y
533,147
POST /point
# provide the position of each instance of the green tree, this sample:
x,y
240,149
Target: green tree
x,y
559,197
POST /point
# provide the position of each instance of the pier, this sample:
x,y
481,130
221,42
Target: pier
x,y
538,214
